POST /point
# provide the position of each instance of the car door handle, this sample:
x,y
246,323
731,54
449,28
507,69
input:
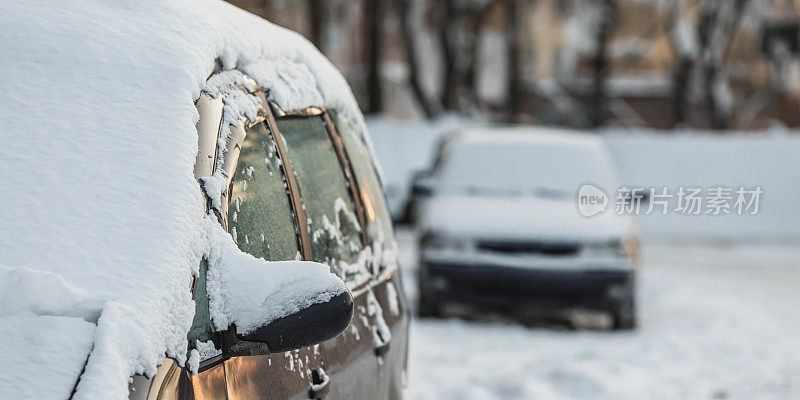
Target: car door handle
x,y
319,384
382,349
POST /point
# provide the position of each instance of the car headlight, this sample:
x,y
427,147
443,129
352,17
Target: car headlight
x,y
445,243
632,249
607,249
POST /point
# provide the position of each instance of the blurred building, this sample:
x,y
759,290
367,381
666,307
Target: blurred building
x,y
656,63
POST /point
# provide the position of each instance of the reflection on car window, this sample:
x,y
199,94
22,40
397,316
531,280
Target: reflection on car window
x,y
379,223
259,215
332,222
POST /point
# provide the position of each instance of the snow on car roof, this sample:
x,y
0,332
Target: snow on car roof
x,y
98,121
513,159
530,135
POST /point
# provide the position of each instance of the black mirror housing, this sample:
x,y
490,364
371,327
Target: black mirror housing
x,y
311,325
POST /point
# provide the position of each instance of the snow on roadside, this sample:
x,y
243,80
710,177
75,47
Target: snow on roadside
x,y
703,159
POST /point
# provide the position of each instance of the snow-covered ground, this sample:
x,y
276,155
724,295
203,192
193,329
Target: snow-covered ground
x,y
718,320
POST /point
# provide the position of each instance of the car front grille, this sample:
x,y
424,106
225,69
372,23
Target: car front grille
x,y
538,248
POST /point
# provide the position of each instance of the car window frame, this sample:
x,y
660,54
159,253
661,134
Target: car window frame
x,y
267,112
295,201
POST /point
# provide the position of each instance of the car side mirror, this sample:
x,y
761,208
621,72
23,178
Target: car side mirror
x,y
423,184
311,325
266,307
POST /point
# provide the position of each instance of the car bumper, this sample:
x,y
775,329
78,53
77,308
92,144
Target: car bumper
x,y
513,287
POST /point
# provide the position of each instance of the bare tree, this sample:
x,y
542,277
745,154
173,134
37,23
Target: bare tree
x,y
373,24
685,48
599,101
447,19
719,22
429,108
513,39
459,26
317,20
473,55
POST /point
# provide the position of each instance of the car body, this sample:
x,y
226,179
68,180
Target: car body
x,y
500,226
295,173
164,141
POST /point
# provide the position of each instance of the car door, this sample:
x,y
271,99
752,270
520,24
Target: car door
x,y
389,303
337,239
260,217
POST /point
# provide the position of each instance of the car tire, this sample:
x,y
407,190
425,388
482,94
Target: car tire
x,y
428,308
624,317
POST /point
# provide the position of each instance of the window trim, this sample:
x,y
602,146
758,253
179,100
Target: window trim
x,y
268,112
301,220
344,161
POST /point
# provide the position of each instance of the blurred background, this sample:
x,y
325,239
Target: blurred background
x,y
681,93
582,63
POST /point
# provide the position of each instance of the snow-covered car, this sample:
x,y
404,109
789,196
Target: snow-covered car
x,y
500,226
193,211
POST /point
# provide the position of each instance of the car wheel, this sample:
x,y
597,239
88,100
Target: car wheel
x,y
624,317
427,308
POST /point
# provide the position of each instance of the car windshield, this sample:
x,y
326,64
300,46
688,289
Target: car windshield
x,y
523,167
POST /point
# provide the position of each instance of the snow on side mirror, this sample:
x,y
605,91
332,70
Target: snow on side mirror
x,y
311,325
285,304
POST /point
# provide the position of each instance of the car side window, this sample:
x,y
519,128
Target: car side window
x,y
202,330
333,225
259,214
379,223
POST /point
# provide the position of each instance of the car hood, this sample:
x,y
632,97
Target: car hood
x,y
42,356
520,218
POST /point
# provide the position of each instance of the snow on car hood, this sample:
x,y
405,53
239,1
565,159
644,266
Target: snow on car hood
x,y
97,122
519,218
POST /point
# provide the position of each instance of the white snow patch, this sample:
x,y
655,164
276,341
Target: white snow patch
x,y
706,159
380,330
237,106
28,291
202,351
42,356
394,299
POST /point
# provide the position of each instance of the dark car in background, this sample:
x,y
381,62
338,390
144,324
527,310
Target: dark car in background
x,y
500,227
